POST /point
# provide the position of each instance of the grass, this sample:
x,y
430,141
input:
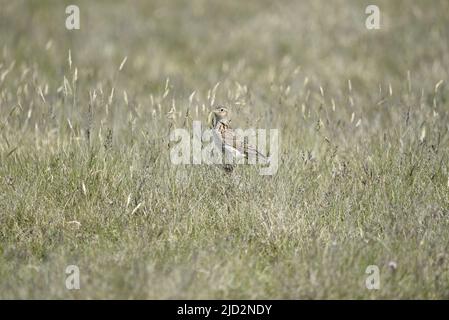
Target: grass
x,y
85,175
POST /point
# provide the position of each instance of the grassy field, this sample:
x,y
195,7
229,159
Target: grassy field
x,y
86,178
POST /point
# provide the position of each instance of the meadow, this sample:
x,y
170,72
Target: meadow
x,y
86,178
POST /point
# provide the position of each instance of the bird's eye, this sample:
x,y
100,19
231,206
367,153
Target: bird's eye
x,y
221,109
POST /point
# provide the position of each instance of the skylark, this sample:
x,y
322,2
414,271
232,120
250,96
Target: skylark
x,y
226,139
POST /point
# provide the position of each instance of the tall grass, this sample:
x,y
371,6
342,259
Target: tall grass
x,y
86,179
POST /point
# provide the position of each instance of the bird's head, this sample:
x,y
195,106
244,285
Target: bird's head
x,y
218,114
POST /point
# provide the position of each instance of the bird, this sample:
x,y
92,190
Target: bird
x,y
227,140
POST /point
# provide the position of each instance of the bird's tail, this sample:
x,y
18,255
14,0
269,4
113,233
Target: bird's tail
x,y
251,152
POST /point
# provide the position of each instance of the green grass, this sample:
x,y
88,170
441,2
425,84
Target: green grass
x,y
364,173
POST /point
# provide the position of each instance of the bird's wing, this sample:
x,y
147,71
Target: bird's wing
x,y
239,143
231,139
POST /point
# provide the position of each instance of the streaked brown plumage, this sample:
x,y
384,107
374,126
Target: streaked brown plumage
x,y
227,140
